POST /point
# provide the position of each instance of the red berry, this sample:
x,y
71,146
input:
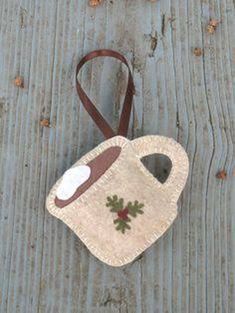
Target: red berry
x,y
123,214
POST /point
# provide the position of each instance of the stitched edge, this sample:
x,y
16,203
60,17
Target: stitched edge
x,y
121,141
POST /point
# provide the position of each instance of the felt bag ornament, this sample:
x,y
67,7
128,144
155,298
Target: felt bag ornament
x,y
109,198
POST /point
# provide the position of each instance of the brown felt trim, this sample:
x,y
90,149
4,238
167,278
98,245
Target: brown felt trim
x,y
98,167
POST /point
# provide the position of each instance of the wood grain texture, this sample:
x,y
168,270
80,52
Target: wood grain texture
x,y
43,266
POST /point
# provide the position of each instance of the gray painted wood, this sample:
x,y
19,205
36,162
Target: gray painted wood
x,y
43,266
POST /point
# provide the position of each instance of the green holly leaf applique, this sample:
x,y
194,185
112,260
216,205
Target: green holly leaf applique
x,y
123,212
122,225
115,203
135,209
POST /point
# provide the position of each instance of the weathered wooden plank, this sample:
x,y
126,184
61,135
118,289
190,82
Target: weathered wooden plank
x,y
44,267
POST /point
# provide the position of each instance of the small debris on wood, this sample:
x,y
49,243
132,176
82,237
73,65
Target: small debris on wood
x,y
94,3
45,123
198,52
221,175
19,82
214,22
211,27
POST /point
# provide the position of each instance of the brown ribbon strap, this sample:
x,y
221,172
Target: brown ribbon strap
x,y
90,107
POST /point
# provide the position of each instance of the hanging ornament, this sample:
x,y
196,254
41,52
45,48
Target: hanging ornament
x,y
108,198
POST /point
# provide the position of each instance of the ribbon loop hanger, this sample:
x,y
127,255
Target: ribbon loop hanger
x,y
97,117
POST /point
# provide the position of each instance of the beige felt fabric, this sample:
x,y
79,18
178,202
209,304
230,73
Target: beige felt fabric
x,y
127,178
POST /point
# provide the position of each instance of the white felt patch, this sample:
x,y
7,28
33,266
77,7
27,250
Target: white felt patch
x,y
72,179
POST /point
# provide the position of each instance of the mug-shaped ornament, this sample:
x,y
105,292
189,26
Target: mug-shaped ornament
x,y
108,198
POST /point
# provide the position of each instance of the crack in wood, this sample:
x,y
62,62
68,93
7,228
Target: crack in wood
x,y
163,28
23,17
153,43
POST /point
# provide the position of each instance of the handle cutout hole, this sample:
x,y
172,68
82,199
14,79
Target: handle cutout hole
x,y
159,165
